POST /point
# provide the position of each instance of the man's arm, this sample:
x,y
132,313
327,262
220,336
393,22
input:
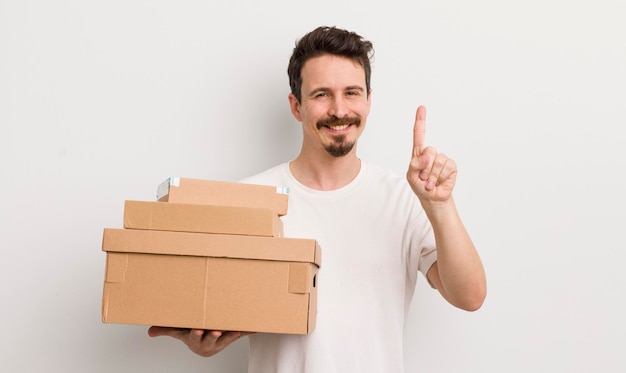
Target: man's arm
x,y
458,273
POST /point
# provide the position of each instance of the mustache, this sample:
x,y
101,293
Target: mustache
x,y
334,121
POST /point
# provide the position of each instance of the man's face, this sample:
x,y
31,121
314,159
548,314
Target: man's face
x,y
334,105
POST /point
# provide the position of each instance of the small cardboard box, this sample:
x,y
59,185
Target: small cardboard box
x,y
210,281
184,217
210,192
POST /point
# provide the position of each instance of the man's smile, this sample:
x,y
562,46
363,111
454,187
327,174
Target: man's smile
x,y
336,124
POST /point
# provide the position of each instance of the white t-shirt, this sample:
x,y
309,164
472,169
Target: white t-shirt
x,y
374,237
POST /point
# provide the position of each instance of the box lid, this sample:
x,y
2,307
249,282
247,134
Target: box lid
x,y
214,192
211,245
184,217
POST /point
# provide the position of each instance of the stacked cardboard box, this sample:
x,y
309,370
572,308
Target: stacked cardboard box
x,y
210,255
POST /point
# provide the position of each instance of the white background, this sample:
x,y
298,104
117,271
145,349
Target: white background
x,y
100,101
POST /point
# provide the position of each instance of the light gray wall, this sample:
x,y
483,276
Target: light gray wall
x,y
101,101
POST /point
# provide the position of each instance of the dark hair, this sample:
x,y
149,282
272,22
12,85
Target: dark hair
x,y
328,40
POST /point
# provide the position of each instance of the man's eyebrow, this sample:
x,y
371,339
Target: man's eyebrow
x,y
326,89
355,88
318,90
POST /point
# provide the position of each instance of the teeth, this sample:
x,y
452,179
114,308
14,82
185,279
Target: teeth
x,y
339,128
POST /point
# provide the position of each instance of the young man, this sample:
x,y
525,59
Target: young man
x,y
377,230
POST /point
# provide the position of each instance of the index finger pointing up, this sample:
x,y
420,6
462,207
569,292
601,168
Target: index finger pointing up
x,y
419,130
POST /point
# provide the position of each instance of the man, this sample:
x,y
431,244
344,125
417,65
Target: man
x,y
377,230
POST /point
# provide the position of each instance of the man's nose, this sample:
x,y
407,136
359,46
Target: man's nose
x,y
338,107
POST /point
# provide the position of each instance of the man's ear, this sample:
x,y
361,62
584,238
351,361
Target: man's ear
x,y
294,105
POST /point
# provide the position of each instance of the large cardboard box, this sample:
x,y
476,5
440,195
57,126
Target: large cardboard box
x,y
211,192
185,217
210,281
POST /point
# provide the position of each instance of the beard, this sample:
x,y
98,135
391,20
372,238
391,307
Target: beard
x,y
339,146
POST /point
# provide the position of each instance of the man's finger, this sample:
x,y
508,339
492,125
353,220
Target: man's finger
x,y
419,130
157,331
229,337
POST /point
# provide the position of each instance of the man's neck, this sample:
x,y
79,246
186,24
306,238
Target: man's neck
x,y
325,173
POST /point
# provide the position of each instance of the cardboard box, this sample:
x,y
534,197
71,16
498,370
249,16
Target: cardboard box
x,y
210,281
223,193
184,217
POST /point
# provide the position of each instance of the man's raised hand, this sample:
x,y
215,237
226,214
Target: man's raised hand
x,y
432,175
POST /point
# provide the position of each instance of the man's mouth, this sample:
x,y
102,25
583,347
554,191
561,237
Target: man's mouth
x,y
339,128
336,124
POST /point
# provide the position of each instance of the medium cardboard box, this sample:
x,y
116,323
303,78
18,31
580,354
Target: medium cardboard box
x,y
210,192
185,217
210,281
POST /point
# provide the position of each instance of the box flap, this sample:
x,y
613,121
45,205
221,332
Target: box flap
x,y
211,245
301,278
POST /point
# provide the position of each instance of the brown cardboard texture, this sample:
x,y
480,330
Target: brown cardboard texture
x,y
184,217
210,281
210,192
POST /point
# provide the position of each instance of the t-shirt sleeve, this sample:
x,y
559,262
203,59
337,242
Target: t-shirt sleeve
x,y
422,248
